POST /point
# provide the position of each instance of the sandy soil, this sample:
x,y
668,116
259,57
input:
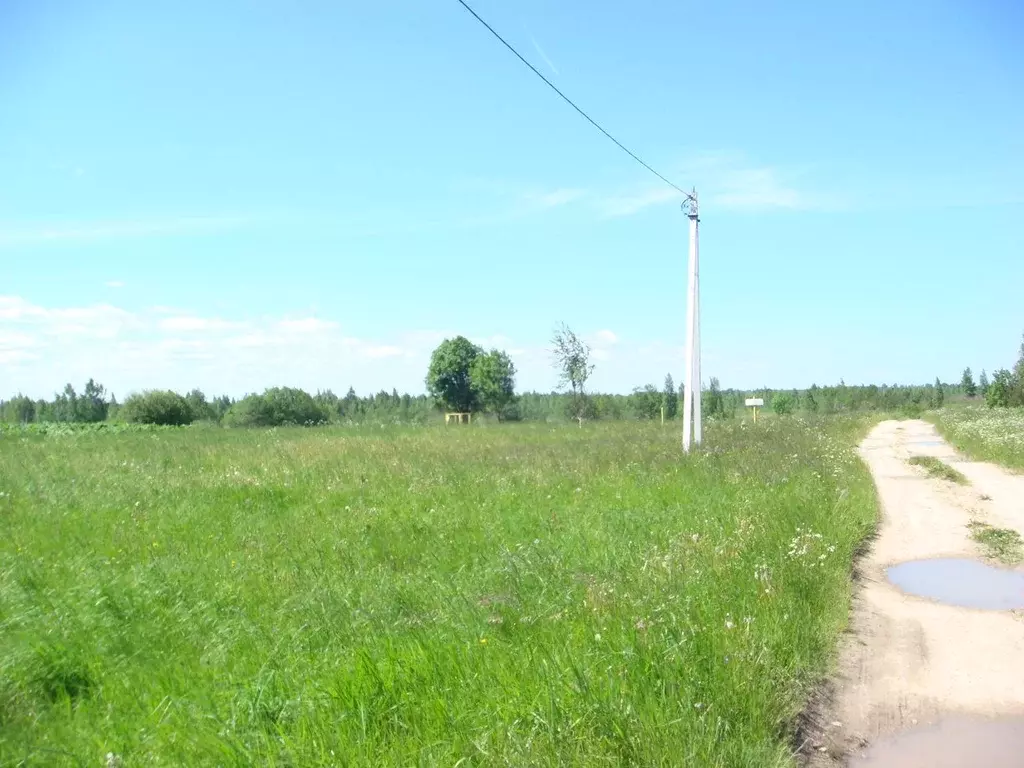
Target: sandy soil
x,y
908,661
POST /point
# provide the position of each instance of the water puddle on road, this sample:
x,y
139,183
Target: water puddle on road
x,y
953,743
962,582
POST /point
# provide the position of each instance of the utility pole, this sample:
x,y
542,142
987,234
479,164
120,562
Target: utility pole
x,y
691,396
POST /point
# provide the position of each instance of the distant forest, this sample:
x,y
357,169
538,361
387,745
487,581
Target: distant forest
x,y
284,405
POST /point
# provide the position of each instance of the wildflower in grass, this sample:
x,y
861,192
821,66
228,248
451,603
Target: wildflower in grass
x,y
483,641
729,622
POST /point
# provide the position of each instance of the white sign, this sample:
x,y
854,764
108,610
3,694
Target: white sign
x,y
755,402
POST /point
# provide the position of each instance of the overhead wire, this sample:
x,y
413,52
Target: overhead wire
x,y
571,103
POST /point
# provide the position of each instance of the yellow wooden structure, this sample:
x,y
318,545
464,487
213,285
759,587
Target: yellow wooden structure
x,y
458,418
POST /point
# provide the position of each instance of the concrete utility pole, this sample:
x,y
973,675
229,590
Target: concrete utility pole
x,y
691,396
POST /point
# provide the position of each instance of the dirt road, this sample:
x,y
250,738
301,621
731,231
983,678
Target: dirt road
x,y
909,662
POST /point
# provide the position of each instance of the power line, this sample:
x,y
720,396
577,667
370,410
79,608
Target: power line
x,y
571,103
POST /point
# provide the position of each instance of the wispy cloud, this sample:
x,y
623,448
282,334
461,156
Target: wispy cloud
x,y
629,204
540,52
98,231
757,189
114,284
307,325
555,197
732,181
193,323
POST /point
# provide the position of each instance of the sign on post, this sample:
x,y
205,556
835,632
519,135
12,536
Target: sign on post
x,y
755,403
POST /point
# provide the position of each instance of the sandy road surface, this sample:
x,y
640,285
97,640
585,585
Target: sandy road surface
x,y
908,661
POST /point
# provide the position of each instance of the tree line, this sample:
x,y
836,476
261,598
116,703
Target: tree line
x,y
463,377
1005,390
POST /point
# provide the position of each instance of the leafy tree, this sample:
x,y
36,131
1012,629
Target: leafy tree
x,y
156,406
645,402
572,359
449,380
811,399
493,380
669,399
19,410
983,383
91,407
277,406
201,410
711,401
65,405
220,406
938,396
783,403
967,383
1017,387
1000,390
329,402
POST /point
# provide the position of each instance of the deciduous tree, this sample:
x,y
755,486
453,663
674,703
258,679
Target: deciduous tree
x,y
572,360
669,398
449,379
493,378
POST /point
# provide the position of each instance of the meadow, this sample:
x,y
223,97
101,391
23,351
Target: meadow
x,y
984,434
519,594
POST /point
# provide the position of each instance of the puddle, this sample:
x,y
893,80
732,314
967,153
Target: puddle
x,y
954,743
957,581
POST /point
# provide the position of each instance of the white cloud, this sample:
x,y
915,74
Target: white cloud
x,y
730,180
98,320
130,351
193,323
98,231
629,204
757,189
114,284
385,350
307,325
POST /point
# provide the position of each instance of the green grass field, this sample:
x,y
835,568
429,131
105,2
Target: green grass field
x,y
984,434
494,595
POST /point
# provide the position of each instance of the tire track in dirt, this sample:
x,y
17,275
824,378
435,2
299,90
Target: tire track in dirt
x,y
907,662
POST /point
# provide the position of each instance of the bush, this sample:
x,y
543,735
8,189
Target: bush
x,y
156,407
276,407
782,403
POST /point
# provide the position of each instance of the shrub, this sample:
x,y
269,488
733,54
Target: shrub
x,y
276,407
782,403
156,406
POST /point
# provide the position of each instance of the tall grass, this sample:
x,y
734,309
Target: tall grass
x,y
522,595
985,434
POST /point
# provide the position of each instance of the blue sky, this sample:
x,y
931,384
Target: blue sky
x,y
240,194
